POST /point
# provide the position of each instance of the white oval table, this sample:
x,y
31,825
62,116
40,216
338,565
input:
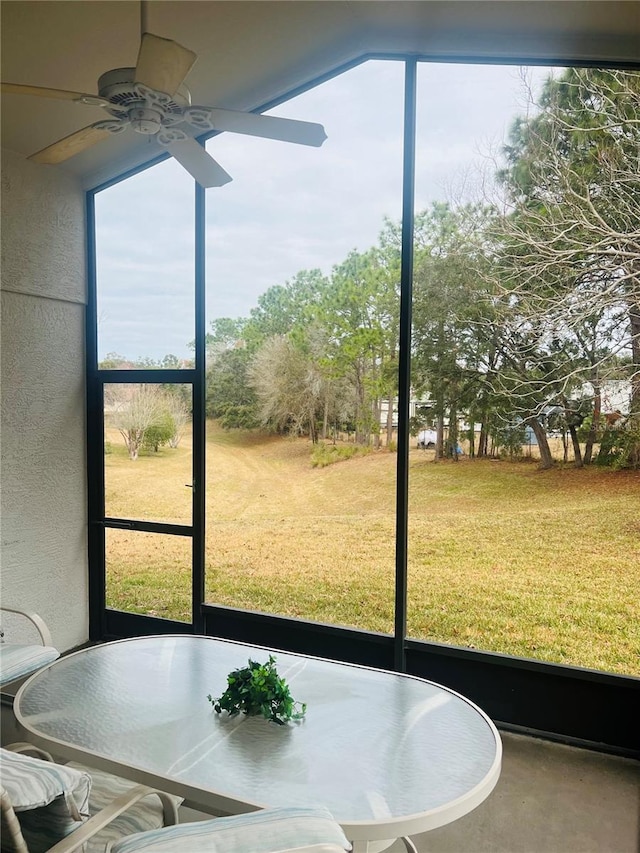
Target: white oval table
x,y
390,755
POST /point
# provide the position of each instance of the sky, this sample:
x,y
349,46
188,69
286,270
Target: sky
x,y
291,207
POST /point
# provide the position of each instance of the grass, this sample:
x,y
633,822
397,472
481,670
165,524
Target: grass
x,y
502,556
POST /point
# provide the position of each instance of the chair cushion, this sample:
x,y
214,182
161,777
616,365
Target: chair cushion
x,y
142,816
17,660
50,800
264,831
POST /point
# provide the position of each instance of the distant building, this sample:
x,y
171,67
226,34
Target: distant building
x,y
417,407
615,393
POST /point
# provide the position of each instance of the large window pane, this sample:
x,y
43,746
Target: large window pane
x,y
145,269
148,452
302,373
521,330
149,573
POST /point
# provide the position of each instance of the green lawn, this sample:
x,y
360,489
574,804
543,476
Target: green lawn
x,y
502,556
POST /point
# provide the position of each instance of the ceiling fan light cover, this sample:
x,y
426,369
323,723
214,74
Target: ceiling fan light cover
x,y
144,121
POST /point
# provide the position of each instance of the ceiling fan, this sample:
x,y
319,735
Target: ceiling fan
x,y
151,99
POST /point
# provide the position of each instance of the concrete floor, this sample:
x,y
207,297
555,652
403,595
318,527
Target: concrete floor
x,y
550,798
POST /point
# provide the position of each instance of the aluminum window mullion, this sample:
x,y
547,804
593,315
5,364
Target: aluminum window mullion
x,y
199,416
404,362
96,580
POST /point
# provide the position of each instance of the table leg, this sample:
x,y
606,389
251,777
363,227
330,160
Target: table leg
x,y
378,846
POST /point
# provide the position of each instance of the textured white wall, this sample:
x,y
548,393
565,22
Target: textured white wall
x,y
44,519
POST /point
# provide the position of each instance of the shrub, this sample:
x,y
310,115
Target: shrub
x,y
327,454
159,433
509,439
620,447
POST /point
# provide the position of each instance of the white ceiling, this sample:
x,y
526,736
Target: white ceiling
x,y
250,51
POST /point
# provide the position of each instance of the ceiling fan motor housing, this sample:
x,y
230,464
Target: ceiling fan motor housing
x,y
117,87
125,95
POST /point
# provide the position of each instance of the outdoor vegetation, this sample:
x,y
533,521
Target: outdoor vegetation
x,y
502,556
525,304
147,416
525,314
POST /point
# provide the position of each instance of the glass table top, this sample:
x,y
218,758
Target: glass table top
x,y
373,745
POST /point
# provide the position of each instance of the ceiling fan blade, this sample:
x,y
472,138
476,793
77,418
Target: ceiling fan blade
x,y
162,63
198,163
253,124
73,144
58,94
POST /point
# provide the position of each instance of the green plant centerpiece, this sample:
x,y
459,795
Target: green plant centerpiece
x,y
258,689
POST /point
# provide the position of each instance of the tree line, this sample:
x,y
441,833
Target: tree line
x,y
525,303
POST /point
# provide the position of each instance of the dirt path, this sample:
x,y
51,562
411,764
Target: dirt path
x,y
276,479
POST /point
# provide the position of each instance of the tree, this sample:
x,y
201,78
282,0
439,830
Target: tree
x,y
283,308
288,386
286,320
357,326
570,232
534,364
115,361
133,410
224,334
387,260
159,432
230,396
451,351
177,407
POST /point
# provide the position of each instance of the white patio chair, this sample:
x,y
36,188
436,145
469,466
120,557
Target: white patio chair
x,y
277,830
56,807
17,660
114,826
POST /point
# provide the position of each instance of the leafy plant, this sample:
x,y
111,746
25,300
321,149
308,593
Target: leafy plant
x,y
258,689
